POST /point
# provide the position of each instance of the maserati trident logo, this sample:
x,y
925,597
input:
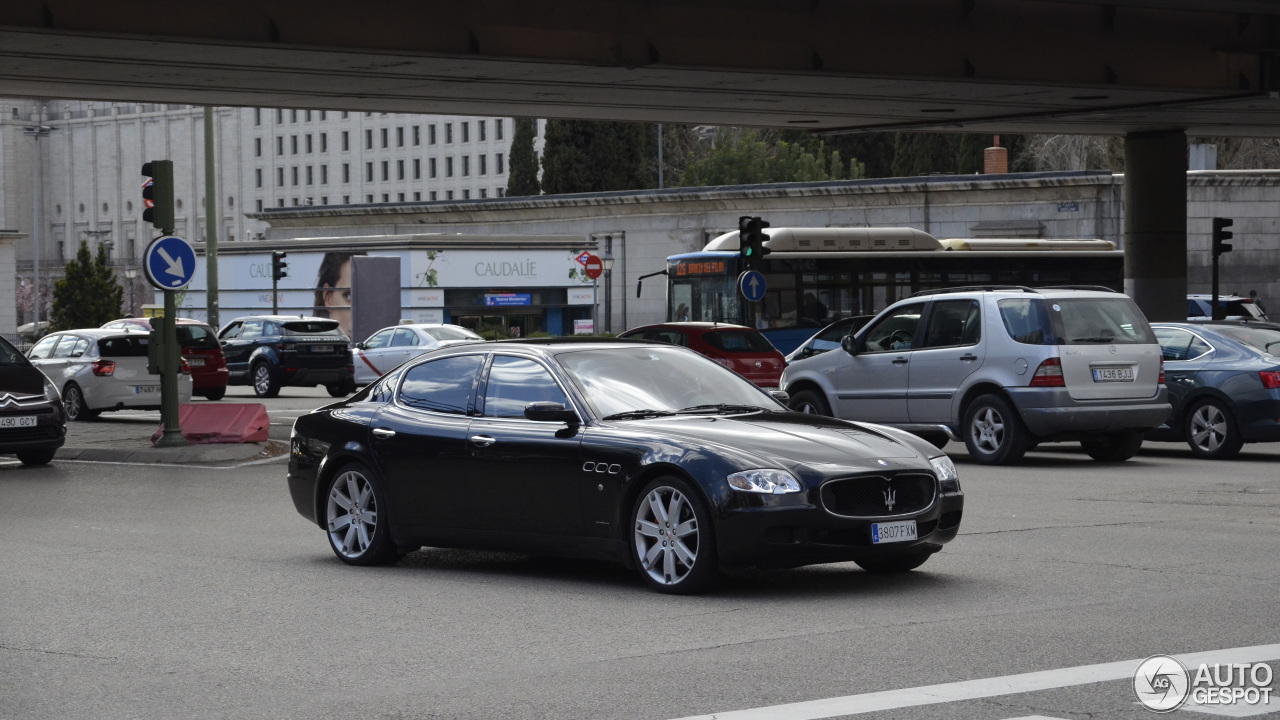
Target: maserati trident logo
x,y
890,497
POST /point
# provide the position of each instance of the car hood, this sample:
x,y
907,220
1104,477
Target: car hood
x,y
789,439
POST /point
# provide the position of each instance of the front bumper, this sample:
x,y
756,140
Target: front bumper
x,y
781,531
1050,412
49,432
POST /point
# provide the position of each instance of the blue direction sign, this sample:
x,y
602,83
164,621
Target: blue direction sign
x,y
752,286
169,263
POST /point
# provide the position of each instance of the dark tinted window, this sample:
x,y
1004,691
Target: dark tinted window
x,y
1026,321
132,346
670,337
952,323
516,382
231,331
9,354
442,385
313,327
740,341
196,336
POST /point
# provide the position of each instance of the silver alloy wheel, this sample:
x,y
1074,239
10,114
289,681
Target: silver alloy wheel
x,y
1208,428
807,408
352,514
666,535
262,379
987,430
72,401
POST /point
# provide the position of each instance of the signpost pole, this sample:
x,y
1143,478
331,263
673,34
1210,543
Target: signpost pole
x,y
169,264
171,434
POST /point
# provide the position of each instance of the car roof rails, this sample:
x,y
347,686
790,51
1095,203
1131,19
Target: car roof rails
x,y
973,288
1095,288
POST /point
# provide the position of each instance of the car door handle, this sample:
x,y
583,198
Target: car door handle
x,y
384,433
968,357
900,361
482,440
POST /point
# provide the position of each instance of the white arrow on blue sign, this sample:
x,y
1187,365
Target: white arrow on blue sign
x,y
752,285
169,263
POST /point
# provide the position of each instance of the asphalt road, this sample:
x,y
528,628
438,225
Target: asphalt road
x,y
167,592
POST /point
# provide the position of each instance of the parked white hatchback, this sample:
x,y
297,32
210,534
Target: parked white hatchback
x,y
389,347
102,370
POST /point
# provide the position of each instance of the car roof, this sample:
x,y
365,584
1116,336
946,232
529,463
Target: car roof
x,y
281,318
1056,291
96,333
572,343
693,325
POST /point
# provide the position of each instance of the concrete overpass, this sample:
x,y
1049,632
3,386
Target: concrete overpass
x,y
1153,70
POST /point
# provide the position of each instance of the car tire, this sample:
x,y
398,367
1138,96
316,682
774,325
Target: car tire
x,y
341,389
993,431
899,564
809,402
35,458
1113,447
676,569
356,519
215,393
263,381
1211,430
73,402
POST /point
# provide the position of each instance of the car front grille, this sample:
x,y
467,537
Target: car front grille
x,y
28,434
879,495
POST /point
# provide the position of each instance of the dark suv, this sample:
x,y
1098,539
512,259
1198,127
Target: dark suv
x,y
32,420
271,351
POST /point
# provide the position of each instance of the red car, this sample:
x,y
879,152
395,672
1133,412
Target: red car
x,y
200,348
738,348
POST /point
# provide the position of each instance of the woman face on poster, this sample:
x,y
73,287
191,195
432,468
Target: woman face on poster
x,y
333,289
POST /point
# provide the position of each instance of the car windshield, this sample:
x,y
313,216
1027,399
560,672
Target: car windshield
x,y
9,355
1264,339
661,380
451,333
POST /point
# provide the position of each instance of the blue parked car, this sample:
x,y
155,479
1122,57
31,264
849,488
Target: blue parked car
x,y
1224,384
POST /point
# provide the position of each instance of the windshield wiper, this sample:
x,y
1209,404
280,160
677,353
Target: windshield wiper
x,y
638,414
1097,339
721,407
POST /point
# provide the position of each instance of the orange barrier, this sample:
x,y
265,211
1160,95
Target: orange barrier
x,y
222,422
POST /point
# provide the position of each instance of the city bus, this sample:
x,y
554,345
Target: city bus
x,y
816,276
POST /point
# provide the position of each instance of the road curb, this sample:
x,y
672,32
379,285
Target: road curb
x,y
191,454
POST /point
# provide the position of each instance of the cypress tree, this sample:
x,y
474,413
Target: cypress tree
x,y
522,178
594,156
87,295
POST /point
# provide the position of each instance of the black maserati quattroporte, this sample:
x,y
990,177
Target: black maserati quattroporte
x,y
650,455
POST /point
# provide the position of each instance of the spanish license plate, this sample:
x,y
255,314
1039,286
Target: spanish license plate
x,y
322,348
146,389
893,532
1118,374
16,421
195,362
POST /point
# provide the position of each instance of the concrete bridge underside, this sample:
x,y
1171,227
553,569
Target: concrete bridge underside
x,y
1150,69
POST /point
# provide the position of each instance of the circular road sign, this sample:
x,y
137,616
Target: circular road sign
x,y
169,263
593,266
752,285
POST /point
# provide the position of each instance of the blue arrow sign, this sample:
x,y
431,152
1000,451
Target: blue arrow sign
x,y
169,263
752,285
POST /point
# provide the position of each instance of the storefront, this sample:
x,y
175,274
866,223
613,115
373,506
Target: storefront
x,y
524,284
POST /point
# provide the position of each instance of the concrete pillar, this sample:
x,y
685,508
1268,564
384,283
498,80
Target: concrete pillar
x,y
1155,223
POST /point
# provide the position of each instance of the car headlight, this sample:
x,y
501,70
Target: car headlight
x,y
948,478
769,482
51,391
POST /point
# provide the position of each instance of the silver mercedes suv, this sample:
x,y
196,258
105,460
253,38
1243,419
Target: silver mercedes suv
x,y
1002,369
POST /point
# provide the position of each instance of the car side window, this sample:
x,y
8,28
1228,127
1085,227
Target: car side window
x,y
671,337
954,323
230,332
1025,321
271,329
896,331
380,339
404,337
516,382
1178,344
67,347
443,385
44,348
251,329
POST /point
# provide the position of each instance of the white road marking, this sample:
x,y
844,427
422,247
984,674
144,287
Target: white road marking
x,y
187,466
984,688
1236,710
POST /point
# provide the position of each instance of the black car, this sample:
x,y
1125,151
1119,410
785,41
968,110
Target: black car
x,y
33,424
271,351
1224,384
646,454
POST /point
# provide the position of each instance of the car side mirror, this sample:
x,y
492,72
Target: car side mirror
x,y
358,346
850,344
781,396
550,412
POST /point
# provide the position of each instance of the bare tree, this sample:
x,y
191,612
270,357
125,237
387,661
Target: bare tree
x,y
1245,153
1070,152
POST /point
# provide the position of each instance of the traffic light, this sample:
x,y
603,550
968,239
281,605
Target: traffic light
x,y
1221,233
279,268
751,241
157,194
